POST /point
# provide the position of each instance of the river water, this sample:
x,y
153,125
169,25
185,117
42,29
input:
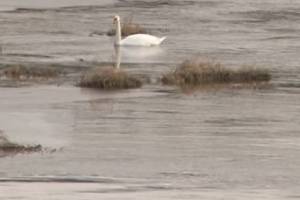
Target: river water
x,y
155,142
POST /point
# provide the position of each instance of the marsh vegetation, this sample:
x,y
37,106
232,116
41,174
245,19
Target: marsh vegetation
x,y
8,148
128,27
22,72
194,72
109,78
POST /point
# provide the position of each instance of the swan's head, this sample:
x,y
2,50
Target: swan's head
x,y
116,19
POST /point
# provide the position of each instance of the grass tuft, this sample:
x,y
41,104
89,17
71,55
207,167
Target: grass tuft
x,y
194,72
25,72
128,27
9,148
108,79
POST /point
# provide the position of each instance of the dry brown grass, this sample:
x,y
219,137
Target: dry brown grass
x,y
25,72
12,148
128,27
9,148
109,78
194,72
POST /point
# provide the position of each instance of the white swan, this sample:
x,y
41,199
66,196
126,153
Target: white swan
x,y
136,39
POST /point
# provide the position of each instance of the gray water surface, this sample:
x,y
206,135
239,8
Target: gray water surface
x,y
155,142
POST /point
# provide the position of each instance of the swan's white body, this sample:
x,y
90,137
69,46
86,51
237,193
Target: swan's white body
x,y
141,40
137,39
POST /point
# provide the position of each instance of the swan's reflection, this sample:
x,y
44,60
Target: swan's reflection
x,y
136,54
141,52
117,57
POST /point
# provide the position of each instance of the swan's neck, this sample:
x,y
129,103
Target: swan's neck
x,y
118,33
117,57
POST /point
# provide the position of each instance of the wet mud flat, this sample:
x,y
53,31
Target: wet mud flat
x,y
82,191
157,141
150,142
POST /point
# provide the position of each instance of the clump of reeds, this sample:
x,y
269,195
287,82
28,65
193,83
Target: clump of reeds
x,y
9,148
29,72
195,72
109,78
128,27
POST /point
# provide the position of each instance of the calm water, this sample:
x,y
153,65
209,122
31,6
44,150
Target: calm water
x,y
155,142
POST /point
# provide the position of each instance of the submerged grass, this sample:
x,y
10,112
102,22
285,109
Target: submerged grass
x,y
22,72
128,27
9,148
195,73
109,78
